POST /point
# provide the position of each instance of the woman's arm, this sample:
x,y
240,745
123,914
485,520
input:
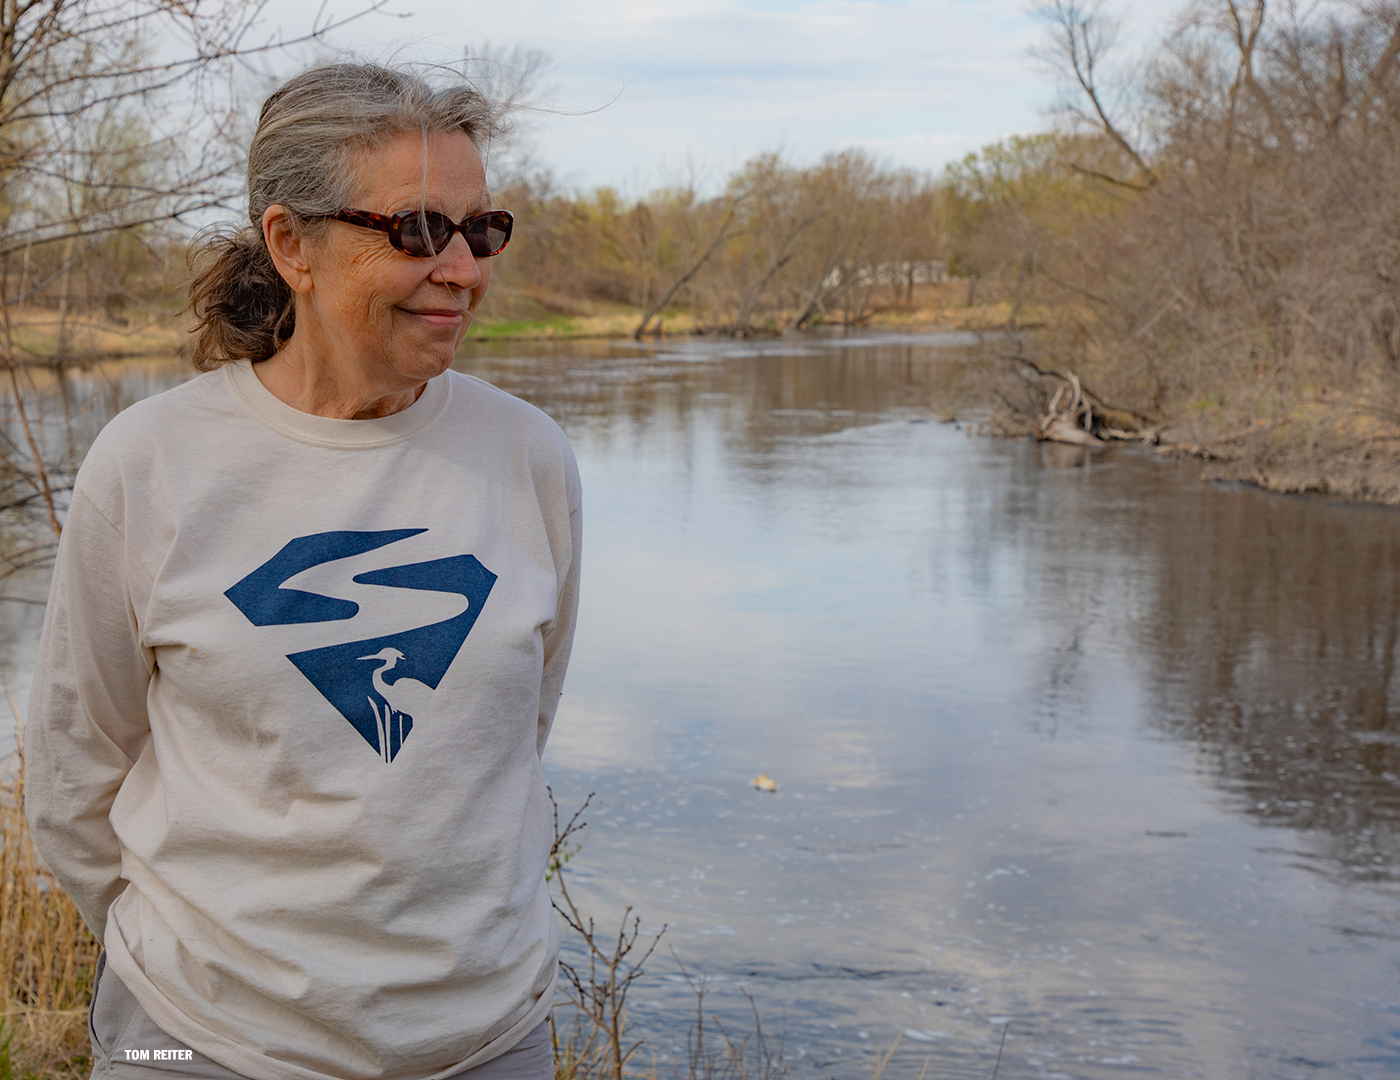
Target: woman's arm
x,y
87,719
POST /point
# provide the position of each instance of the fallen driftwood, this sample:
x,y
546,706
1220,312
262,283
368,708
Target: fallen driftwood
x,y
1070,417
1080,418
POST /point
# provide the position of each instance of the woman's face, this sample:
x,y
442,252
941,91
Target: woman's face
x,y
397,318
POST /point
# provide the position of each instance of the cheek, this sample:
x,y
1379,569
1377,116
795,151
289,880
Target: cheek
x,y
376,280
479,290
372,301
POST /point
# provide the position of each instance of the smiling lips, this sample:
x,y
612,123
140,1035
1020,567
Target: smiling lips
x,y
443,314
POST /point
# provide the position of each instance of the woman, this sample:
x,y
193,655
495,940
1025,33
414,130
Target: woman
x,y
307,632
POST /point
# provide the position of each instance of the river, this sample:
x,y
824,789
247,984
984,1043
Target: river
x,y
1071,747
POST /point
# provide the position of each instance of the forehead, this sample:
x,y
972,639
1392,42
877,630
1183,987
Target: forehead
x,y
440,171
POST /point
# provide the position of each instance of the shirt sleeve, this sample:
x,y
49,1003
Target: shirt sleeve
x,y
87,719
559,638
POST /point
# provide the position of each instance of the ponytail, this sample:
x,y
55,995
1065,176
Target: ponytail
x,y
242,307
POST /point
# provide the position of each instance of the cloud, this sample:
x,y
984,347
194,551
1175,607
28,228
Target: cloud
x,y
713,82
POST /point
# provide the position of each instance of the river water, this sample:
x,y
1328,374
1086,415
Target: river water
x,y
1072,747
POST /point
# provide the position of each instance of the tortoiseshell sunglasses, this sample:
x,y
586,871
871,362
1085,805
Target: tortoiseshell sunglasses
x,y
423,233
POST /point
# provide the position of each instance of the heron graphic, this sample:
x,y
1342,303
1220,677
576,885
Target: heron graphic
x,y
399,701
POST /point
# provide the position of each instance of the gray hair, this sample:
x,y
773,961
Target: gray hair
x,y
302,156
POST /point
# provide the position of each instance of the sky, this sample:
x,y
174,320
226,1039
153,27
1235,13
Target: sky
x,y
644,93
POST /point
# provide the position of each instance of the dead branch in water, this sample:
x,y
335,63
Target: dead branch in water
x,y
1075,414
1070,417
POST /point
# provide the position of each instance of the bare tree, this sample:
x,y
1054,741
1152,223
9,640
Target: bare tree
x,y
773,201
116,124
699,249
74,74
1249,293
1082,35
516,79
849,244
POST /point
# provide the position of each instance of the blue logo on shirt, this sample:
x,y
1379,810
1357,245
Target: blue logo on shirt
x,y
381,683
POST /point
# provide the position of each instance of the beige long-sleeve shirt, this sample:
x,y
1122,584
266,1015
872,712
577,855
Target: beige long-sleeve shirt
x,y
284,736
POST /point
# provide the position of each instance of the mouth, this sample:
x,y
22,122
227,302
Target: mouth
x,y
437,316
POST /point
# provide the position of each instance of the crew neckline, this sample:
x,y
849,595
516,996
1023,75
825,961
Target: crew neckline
x,y
330,431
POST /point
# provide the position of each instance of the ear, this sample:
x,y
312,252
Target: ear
x,y
288,247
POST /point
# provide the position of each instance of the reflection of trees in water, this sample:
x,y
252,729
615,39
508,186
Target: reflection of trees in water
x,y
1267,628
1274,634
1038,541
65,407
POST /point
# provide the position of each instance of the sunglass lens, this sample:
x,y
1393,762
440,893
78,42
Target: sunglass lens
x,y
487,234
425,233
479,243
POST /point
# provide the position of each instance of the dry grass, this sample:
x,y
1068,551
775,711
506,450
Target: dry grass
x,y
47,954
41,336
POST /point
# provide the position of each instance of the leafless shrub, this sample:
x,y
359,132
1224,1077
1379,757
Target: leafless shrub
x,y
598,991
1249,290
747,1056
595,1041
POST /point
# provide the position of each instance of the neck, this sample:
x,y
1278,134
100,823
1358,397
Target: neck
x,y
312,384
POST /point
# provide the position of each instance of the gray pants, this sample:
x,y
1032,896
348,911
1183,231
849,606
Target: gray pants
x,y
117,1023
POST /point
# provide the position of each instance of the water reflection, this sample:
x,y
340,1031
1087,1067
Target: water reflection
x,y
1274,636
1073,741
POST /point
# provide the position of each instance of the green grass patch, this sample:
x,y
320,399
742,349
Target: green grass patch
x,y
549,326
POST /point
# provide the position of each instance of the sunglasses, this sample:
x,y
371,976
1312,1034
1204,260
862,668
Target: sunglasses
x,y
424,233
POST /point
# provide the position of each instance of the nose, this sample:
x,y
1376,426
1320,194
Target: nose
x,y
455,265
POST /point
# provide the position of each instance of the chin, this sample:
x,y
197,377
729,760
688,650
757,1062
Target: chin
x,y
428,363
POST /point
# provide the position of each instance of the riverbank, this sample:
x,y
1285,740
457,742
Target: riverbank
x,y
936,308
40,338
1328,433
